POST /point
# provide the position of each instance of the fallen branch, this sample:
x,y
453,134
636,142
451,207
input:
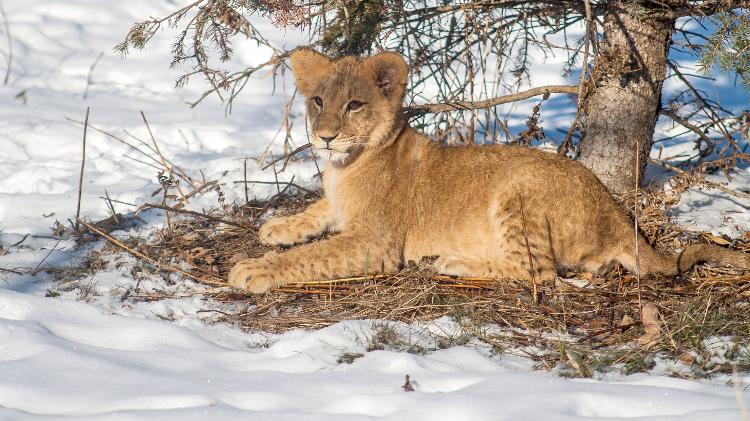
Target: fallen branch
x,y
446,278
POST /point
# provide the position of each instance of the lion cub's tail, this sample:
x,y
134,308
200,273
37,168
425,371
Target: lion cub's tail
x,y
655,262
708,253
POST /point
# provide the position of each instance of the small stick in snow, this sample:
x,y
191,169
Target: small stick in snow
x,y
89,79
244,167
408,387
164,161
736,382
18,243
111,207
36,268
9,58
171,167
83,163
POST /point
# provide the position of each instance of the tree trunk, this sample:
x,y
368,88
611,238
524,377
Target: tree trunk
x,y
623,101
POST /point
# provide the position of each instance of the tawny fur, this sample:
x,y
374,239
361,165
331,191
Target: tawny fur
x,y
393,196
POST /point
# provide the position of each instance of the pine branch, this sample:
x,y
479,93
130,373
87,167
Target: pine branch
x,y
418,110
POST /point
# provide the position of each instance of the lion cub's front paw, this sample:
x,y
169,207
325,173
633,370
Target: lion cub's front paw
x,y
279,231
252,275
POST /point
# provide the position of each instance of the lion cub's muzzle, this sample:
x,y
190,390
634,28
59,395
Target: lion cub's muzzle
x,y
338,149
328,140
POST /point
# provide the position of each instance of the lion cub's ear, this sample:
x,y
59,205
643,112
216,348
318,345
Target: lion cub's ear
x,y
309,67
389,71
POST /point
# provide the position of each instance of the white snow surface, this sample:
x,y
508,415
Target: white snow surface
x,y
86,354
69,358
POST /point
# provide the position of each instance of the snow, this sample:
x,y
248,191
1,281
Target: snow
x,y
89,354
68,358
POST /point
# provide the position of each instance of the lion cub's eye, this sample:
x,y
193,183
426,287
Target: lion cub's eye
x,y
318,101
354,105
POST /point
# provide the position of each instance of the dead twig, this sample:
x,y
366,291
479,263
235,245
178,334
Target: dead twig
x,y
692,127
635,222
532,269
277,183
38,265
89,79
275,198
9,57
565,146
170,168
244,168
196,214
287,157
83,163
408,386
178,171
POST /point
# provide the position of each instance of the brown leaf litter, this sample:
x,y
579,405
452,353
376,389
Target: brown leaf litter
x,y
591,312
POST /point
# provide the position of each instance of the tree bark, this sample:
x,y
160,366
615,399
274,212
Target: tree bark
x,y
623,99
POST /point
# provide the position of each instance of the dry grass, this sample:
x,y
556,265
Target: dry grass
x,y
587,323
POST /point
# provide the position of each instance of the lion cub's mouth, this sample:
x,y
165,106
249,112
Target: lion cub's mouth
x,y
332,155
340,157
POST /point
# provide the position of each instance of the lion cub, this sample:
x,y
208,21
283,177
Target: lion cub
x,y
393,196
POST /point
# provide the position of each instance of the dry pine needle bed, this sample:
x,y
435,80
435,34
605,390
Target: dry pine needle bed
x,y
592,315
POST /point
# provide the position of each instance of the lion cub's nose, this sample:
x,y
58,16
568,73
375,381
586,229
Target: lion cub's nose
x,y
327,139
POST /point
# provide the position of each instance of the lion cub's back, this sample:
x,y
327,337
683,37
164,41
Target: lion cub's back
x,y
515,165
562,200
549,184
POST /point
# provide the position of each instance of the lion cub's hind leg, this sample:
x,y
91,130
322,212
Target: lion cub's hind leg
x,y
461,266
516,247
512,265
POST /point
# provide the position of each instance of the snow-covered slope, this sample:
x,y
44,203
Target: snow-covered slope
x,y
67,358
97,358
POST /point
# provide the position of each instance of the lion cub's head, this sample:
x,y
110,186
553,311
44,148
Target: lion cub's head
x,y
353,103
